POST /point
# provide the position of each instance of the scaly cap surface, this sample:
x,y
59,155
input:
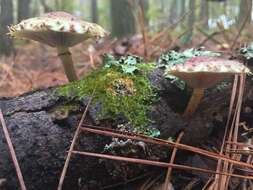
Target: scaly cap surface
x,y
203,71
57,29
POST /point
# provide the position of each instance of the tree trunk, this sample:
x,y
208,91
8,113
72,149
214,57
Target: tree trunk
x,y
182,8
94,11
6,19
162,5
173,12
67,5
41,128
122,18
45,6
145,4
23,9
190,23
204,13
191,18
35,11
42,123
244,12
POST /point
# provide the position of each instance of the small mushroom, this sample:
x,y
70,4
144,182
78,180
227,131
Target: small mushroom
x,y
60,30
203,72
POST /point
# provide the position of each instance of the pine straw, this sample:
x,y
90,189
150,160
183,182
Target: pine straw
x,y
231,136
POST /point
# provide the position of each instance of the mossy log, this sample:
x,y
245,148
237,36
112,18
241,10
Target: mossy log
x,y
42,123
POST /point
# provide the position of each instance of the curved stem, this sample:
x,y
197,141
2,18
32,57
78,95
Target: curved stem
x,y
194,102
67,63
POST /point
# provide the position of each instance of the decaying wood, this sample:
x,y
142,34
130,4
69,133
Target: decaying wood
x,y
41,140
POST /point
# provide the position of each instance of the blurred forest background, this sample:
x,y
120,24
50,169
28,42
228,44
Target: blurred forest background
x,y
142,27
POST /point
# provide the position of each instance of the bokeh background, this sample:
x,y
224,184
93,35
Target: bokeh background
x,y
142,27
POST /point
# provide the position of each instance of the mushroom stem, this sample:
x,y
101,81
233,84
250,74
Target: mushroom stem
x,y
67,63
197,95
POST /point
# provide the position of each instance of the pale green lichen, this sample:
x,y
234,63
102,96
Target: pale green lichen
x,y
247,52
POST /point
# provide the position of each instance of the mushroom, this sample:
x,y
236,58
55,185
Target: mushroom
x,y
203,72
60,30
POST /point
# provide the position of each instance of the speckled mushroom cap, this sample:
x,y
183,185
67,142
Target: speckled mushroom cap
x,y
57,29
204,72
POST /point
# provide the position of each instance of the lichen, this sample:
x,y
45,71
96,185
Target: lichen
x,y
247,52
119,92
171,58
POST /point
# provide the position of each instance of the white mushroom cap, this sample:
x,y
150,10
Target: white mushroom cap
x,y
57,29
203,71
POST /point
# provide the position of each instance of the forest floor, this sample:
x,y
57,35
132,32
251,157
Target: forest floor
x,y
37,66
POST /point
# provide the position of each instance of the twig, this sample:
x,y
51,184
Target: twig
x,y
240,151
241,29
73,144
223,32
250,184
236,127
143,31
146,182
150,183
240,144
209,37
233,135
12,153
194,182
157,163
168,176
209,184
232,100
114,133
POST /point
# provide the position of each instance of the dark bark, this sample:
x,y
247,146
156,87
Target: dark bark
x,y
41,135
122,18
23,9
94,11
6,19
41,142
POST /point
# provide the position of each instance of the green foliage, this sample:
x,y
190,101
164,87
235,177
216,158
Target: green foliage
x,y
247,52
119,91
173,58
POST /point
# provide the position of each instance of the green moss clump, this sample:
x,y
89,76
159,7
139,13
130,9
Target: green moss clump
x,y
133,106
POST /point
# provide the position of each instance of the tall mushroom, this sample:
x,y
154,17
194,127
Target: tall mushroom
x,y
203,72
60,30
